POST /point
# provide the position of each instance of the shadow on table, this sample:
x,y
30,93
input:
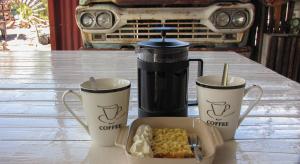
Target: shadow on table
x,y
226,154
107,155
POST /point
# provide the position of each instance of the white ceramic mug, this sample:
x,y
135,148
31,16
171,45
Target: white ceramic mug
x,y
220,106
105,103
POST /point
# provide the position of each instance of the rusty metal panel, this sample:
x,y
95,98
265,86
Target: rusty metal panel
x,y
162,2
64,32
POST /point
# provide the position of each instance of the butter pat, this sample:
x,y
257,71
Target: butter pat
x,y
144,132
141,146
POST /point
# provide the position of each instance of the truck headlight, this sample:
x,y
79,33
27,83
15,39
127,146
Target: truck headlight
x,y
222,19
87,20
239,19
105,19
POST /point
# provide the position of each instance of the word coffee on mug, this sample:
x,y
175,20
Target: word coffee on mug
x,y
220,106
105,102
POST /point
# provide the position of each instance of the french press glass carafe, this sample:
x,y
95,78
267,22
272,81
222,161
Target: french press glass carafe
x,y
163,67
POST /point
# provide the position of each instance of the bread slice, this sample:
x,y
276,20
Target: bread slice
x,y
170,143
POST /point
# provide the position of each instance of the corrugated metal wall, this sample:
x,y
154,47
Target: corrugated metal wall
x,y
64,32
281,53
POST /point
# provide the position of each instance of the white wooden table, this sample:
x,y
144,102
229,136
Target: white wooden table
x,y
35,127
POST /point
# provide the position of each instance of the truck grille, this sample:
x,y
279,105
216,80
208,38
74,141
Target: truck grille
x,y
145,29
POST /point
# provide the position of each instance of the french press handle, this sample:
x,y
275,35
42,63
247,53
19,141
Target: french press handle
x,y
199,73
200,65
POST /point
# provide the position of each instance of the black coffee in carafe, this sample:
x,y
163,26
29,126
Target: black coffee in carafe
x,y
163,67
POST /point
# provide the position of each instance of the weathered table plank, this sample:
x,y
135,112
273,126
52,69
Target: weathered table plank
x,y
241,151
56,109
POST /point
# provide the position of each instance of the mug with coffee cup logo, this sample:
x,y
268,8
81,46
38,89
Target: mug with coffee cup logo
x,y
220,105
105,102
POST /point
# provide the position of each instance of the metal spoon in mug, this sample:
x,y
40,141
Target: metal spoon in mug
x,y
225,75
194,141
93,83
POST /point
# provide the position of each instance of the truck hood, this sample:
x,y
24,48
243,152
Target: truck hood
x,y
158,2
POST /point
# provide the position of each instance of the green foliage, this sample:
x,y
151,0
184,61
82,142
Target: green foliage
x,y
26,13
44,14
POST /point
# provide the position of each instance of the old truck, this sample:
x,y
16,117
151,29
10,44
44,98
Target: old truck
x,y
116,24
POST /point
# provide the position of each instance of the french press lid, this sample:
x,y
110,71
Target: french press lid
x,y
163,50
163,42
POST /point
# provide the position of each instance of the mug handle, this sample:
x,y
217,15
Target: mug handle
x,y
250,107
70,110
199,73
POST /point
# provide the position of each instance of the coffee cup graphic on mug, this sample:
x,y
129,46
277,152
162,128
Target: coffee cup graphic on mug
x,y
105,103
219,109
220,106
111,113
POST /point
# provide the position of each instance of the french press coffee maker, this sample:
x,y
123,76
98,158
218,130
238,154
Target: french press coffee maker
x,y
163,66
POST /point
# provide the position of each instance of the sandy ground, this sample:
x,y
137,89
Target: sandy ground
x,y
24,40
